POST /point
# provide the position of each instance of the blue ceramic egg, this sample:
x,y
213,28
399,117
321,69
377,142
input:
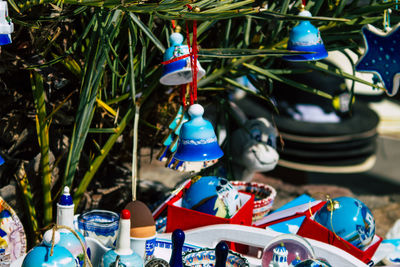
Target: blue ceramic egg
x,y
212,195
350,219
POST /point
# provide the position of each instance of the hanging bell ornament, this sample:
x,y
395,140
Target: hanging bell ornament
x,y
6,26
197,139
178,72
305,37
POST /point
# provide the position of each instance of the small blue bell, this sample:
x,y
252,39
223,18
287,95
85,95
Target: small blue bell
x,y
180,71
305,37
41,256
197,139
6,26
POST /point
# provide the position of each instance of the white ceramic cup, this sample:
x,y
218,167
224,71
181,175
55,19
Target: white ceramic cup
x,y
144,246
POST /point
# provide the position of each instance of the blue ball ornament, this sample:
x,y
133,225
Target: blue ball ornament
x,y
348,218
212,195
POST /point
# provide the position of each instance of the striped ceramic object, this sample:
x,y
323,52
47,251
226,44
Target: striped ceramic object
x,y
264,196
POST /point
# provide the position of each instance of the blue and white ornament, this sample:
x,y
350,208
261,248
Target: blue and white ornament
x,y
197,139
180,71
212,195
382,56
348,218
6,26
305,37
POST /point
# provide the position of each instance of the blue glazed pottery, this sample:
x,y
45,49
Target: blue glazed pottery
x,y
6,26
305,37
350,219
65,217
212,195
123,255
382,56
101,225
208,257
40,256
178,72
197,139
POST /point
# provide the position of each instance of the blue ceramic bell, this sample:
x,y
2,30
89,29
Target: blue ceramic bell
x,y
197,139
123,255
41,255
305,37
65,217
180,71
6,26
350,219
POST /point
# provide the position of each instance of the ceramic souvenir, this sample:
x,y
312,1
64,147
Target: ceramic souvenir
x,y
212,195
208,257
123,254
177,239
12,235
264,196
197,139
253,148
6,26
286,251
178,72
382,56
41,256
305,37
349,218
143,229
101,225
65,217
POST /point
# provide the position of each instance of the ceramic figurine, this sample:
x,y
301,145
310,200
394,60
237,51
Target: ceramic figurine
x,y
280,257
212,195
41,256
122,254
178,238
221,254
197,139
349,218
178,72
306,37
254,148
65,216
6,26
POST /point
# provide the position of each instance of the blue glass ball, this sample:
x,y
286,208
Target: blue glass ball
x,y
350,219
212,195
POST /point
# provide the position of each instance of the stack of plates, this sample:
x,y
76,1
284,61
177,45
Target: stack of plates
x,y
345,146
316,136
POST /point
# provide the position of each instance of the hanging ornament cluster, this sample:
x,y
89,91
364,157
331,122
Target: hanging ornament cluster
x,y
191,144
6,26
382,56
305,37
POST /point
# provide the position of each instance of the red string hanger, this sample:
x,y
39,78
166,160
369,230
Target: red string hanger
x,y
189,88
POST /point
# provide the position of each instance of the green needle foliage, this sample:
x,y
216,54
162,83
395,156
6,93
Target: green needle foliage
x,y
111,50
